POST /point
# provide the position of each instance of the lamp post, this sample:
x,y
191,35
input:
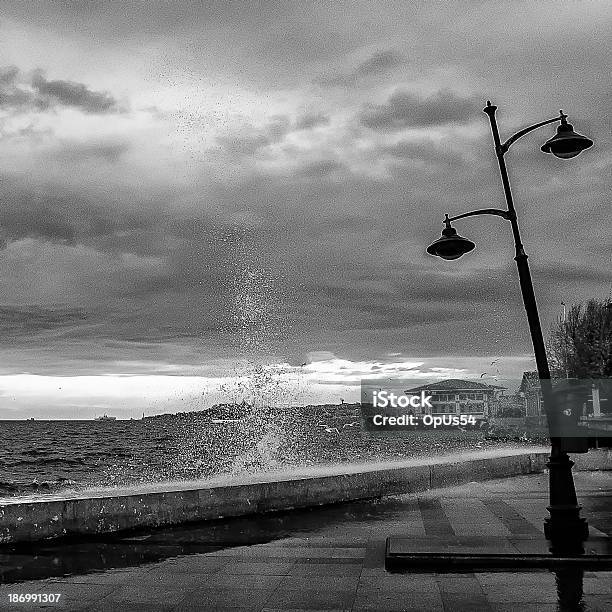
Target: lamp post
x,y
564,528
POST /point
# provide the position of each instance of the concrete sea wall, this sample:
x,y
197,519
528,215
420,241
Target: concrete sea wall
x,y
111,510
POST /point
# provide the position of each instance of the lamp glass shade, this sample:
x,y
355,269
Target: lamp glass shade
x,y
566,143
450,245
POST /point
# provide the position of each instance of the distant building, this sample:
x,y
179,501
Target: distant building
x,y
509,406
454,396
532,394
596,406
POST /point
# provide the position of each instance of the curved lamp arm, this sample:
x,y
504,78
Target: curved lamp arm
x,y
502,148
482,211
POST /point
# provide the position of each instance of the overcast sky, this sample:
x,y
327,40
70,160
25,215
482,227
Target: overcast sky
x,y
197,198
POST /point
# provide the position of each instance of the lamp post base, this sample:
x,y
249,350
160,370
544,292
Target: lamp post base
x,y
564,529
566,534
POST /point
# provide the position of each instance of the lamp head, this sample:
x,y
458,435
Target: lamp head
x,y
450,245
566,143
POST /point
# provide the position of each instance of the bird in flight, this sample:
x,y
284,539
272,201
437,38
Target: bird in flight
x,y
328,428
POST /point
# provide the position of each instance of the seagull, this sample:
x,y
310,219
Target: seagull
x,y
331,429
495,360
483,374
350,424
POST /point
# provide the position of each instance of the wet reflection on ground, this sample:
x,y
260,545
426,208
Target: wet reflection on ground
x,y
47,560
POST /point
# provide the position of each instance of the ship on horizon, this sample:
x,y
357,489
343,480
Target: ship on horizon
x,y
105,417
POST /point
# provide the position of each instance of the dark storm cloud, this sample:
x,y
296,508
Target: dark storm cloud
x,y
48,218
319,169
364,308
24,92
248,140
405,109
107,150
422,151
311,120
379,63
559,273
207,258
71,93
28,320
245,144
468,290
11,94
403,296
55,214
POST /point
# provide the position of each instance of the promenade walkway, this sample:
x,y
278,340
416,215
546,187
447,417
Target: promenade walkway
x,y
322,559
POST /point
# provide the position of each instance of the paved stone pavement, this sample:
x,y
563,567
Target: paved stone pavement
x,y
322,559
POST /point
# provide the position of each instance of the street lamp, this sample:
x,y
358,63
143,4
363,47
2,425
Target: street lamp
x,y
565,529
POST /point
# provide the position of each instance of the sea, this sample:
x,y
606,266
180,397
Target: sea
x,y
49,456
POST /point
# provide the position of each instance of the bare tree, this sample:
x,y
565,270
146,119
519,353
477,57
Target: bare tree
x,y
581,345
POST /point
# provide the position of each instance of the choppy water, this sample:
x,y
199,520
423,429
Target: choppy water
x,y
46,456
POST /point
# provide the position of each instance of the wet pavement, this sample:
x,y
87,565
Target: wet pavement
x,y
329,558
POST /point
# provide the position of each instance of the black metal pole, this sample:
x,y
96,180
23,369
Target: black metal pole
x,y
564,528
